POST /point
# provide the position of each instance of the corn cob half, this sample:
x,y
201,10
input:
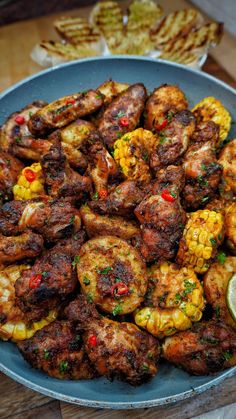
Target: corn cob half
x,y
30,183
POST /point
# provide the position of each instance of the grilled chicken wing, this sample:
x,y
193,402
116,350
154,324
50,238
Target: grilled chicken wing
x,y
10,167
117,350
207,348
58,350
122,114
215,285
52,277
54,219
103,225
17,139
206,131
63,111
161,216
165,101
121,201
60,179
202,172
15,248
173,140
112,274
228,161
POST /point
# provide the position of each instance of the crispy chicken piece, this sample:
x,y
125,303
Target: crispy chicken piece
x,y
215,285
17,139
207,348
117,350
173,301
103,225
10,167
228,160
60,179
165,101
102,167
206,131
203,174
173,140
59,352
203,233
121,201
52,277
110,89
161,216
230,227
15,248
112,274
14,324
63,111
122,114
54,219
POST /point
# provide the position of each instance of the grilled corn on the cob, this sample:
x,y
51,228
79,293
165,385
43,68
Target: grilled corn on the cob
x,y
132,153
174,300
30,183
203,233
211,109
13,325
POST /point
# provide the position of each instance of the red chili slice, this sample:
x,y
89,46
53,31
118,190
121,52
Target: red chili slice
x,y
70,100
124,122
119,289
35,281
162,125
102,193
19,119
30,175
92,340
167,196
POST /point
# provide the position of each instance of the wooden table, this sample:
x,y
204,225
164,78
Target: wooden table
x,y
16,42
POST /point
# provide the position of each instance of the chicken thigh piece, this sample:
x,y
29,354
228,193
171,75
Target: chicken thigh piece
x,y
52,277
203,174
173,140
207,348
10,168
58,350
15,248
54,219
117,350
60,179
161,216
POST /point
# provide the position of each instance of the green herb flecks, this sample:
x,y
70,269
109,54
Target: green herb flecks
x,y
221,257
75,261
63,366
86,280
117,309
105,270
228,355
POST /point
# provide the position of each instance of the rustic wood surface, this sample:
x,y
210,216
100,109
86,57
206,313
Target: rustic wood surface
x,y
17,401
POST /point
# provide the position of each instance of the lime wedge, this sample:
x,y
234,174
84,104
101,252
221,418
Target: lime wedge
x,y
231,296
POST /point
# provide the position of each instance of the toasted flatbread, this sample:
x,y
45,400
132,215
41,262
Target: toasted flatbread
x,y
198,40
107,18
174,25
77,30
50,53
143,14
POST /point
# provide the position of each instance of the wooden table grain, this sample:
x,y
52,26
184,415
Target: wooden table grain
x,y
17,401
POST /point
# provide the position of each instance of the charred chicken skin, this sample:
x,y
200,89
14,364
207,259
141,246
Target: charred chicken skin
x,y
161,216
10,167
207,348
173,140
122,114
117,350
54,219
52,277
203,174
58,350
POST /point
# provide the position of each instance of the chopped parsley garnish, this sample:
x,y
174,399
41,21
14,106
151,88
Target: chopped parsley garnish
x,y
203,166
162,137
173,194
210,340
145,156
105,270
90,297
99,96
145,367
213,241
170,116
72,219
75,261
120,114
63,366
200,179
95,196
118,190
205,199
119,135
46,354
44,273
217,311
86,280
189,287
17,140
117,309
30,114
221,257
228,355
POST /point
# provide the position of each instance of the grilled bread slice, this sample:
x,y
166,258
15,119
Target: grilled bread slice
x,y
77,30
50,53
174,25
107,18
143,14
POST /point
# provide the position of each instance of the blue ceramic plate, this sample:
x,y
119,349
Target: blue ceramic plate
x,y
170,384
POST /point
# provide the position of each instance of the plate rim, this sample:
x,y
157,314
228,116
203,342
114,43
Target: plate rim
x,y
127,404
